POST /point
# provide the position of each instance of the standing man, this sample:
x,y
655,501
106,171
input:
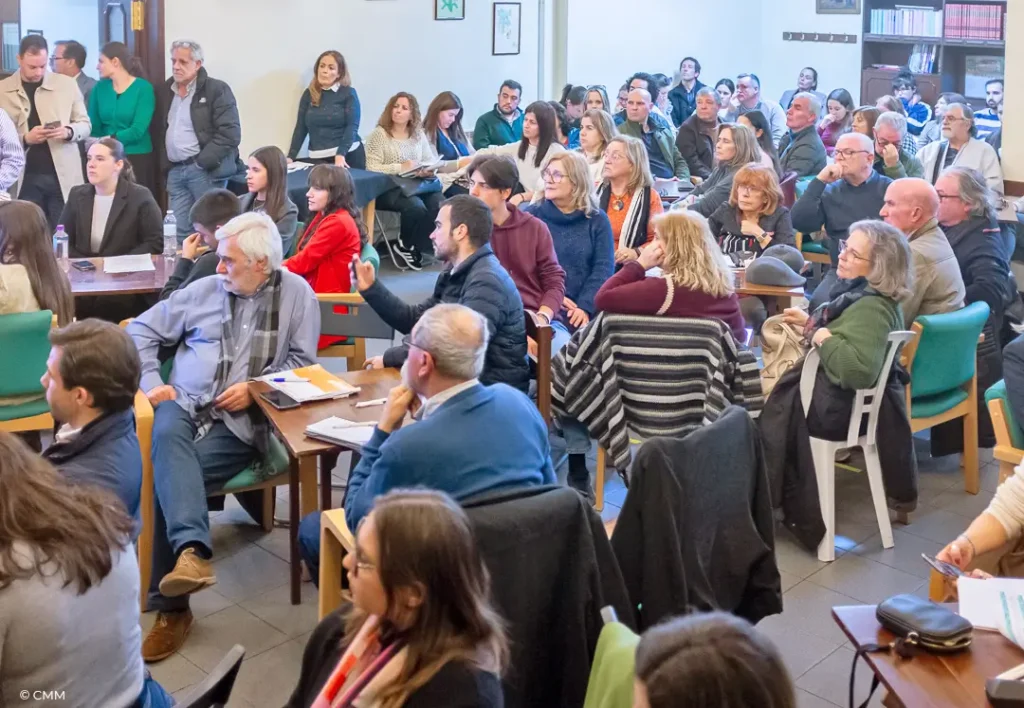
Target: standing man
x,y
662,153
989,120
801,149
50,116
69,59
504,123
748,93
684,96
200,149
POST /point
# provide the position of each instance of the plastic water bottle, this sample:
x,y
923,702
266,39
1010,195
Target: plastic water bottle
x,y
60,247
170,235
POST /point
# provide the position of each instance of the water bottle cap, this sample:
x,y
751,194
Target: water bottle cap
x,y
60,227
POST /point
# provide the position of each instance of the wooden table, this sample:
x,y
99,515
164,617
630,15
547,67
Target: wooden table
x,y
930,679
776,298
303,452
96,282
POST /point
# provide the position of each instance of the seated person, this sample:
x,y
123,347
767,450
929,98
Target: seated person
x,y
850,333
912,206
960,146
266,176
769,156
472,277
932,130
696,137
754,218
596,131
990,118
801,149
846,191
628,197
421,606
890,158
111,216
838,119
748,98
581,232
735,147
665,160
199,250
521,242
695,279
91,378
806,82
532,154
30,277
904,87
709,660
69,586
333,238
504,123
864,119
443,126
254,319
642,81
563,124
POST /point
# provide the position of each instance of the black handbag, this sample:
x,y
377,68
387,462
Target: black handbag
x,y
919,625
415,186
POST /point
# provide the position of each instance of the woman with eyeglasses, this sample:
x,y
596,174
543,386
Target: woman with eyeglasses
x,y
581,232
421,630
850,332
597,128
754,218
628,197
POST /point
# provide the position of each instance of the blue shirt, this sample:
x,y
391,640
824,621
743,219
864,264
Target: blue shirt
x,y
181,140
448,149
987,122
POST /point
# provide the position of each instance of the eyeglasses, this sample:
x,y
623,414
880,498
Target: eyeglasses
x,y
614,156
947,196
357,554
952,119
553,176
846,154
407,342
845,251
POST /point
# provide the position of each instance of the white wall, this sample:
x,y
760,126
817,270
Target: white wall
x,y
1013,130
65,19
265,50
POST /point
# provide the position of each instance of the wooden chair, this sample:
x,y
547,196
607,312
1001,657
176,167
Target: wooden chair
x,y
1009,449
813,251
942,362
540,332
335,541
25,347
144,544
215,690
359,323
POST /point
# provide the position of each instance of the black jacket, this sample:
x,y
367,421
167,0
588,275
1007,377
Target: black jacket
x,y
978,246
683,103
696,530
696,147
552,570
214,119
482,284
456,684
134,225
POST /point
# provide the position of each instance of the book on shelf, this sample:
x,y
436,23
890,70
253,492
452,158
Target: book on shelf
x,y
908,21
974,21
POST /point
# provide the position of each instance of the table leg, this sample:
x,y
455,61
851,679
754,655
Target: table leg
x,y
293,529
331,553
307,482
327,463
369,217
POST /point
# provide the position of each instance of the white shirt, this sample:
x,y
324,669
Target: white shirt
x,y
431,405
100,214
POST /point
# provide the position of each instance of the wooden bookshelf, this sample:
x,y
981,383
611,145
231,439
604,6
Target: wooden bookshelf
x,y
949,71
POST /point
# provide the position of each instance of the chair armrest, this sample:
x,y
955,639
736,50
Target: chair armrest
x,y
335,522
807,376
341,298
143,408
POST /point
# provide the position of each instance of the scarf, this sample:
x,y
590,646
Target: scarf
x,y
382,670
634,228
261,355
843,294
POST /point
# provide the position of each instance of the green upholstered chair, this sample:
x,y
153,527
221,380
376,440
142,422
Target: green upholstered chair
x,y
1009,449
24,348
942,361
300,228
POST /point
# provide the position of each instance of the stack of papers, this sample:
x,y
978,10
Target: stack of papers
x,y
341,431
311,383
296,166
128,264
995,604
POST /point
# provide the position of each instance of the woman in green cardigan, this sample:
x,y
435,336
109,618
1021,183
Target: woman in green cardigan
x,y
121,106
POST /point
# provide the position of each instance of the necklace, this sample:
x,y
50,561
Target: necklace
x,y
618,204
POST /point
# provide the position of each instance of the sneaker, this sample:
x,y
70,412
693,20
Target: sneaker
x,y
191,574
167,635
410,257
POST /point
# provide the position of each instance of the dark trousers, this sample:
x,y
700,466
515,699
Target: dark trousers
x,y
417,216
44,191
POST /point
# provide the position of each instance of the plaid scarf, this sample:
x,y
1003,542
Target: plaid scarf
x,y
261,355
843,294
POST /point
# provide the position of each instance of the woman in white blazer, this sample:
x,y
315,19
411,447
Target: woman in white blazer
x,y
958,136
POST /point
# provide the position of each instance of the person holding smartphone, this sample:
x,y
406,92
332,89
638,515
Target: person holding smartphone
x,y
992,542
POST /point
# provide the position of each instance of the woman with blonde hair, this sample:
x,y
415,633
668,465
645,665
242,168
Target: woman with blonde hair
x,y
628,196
695,278
581,233
735,147
329,114
597,128
421,629
754,217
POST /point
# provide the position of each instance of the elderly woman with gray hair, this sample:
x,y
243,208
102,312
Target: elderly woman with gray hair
x,y
850,333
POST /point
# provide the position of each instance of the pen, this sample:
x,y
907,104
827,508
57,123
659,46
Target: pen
x,y
374,402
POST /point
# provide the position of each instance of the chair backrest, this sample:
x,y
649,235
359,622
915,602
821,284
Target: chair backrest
x,y
788,186
359,321
867,401
540,332
24,348
215,689
997,392
945,355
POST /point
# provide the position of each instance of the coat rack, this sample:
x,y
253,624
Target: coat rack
x,y
819,37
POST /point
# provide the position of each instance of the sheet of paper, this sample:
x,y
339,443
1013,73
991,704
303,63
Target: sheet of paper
x,y
301,391
282,377
996,603
128,264
296,166
343,430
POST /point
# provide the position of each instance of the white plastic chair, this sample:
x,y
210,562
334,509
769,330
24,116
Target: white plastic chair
x,y
866,402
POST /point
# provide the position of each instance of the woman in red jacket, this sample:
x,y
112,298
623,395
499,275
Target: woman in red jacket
x,y
335,234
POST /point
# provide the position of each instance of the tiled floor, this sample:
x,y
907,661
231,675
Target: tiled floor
x,y
250,604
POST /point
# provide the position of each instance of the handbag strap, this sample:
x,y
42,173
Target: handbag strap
x,y
903,648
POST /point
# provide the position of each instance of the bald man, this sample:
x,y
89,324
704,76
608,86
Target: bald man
x,y
470,439
912,206
665,160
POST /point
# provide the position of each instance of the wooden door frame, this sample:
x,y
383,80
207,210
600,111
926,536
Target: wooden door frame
x,y
149,42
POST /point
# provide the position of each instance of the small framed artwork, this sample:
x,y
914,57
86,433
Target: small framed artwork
x,y
838,7
449,9
507,28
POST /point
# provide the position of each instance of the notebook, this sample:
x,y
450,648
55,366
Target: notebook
x,y
341,431
310,383
433,166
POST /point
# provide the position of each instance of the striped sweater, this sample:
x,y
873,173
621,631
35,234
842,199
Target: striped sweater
x,y
651,376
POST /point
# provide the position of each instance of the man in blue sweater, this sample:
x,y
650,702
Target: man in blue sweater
x,y
468,439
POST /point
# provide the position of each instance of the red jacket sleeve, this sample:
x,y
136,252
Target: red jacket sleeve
x,y
335,233
552,276
631,292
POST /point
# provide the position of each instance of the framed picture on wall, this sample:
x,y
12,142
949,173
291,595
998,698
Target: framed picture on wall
x,y
449,9
838,7
507,29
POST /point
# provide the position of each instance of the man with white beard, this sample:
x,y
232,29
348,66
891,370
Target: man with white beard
x,y
467,438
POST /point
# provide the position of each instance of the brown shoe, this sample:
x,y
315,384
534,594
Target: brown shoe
x,y
167,635
191,574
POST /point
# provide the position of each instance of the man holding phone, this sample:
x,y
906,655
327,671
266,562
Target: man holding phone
x,y
50,115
